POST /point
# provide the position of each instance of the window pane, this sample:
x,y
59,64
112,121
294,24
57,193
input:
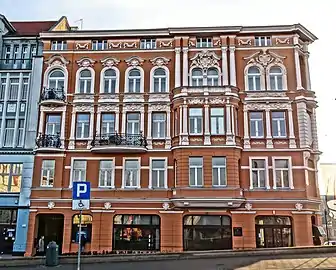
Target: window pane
x,y
195,112
281,163
158,164
196,161
258,163
218,161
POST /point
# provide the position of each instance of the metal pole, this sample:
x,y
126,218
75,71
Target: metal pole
x,y
326,216
79,240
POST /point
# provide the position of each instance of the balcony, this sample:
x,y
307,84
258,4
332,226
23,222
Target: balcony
x,y
117,142
13,64
52,96
47,143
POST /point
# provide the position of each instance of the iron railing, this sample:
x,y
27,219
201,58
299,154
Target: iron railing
x,y
52,94
48,141
120,139
18,63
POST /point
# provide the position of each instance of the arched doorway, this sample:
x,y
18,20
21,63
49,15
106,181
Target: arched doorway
x,y
274,231
207,232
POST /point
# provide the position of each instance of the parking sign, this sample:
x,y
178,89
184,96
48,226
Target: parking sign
x,y
81,196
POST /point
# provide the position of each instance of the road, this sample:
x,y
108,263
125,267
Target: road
x,y
288,262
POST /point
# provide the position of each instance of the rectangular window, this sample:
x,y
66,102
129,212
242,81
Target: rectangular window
x,y
176,123
219,171
32,51
281,173
98,45
158,125
58,45
263,41
9,132
107,124
79,171
25,86
195,171
106,173
148,44
217,121
16,53
256,125
10,177
20,133
14,88
24,53
278,124
133,123
3,88
82,125
132,173
48,173
53,124
7,54
195,121
158,173
258,173
204,43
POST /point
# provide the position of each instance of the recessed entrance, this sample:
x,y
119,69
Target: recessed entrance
x,y
7,230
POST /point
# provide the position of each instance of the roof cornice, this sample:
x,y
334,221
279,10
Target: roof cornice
x,y
7,23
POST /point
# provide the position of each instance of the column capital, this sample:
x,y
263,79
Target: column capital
x,y
185,50
224,49
232,49
177,50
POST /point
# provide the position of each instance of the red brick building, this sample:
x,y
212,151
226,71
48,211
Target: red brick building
x,y
192,138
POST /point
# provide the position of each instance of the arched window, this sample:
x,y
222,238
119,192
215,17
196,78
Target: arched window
x,y
85,81
134,80
160,80
212,76
56,80
276,77
86,228
197,77
110,79
254,78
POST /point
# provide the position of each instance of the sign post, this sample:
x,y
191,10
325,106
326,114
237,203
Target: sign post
x,y
80,201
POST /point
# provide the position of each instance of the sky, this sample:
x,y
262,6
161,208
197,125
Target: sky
x,y
317,16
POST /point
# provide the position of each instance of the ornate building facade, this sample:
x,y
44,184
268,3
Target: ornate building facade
x,y
192,139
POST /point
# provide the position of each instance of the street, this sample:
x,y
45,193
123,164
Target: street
x,y
288,262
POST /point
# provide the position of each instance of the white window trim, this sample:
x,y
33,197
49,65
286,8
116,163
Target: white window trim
x,y
102,77
152,79
219,167
257,41
41,185
164,126
92,80
207,41
290,172
165,173
123,186
217,116
267,182
262,77
72,168
202,167
278,125
49,70
189,120
284,76
142,79
82,128
205,77
113,173
256,120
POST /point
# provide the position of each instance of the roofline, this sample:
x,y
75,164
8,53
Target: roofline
x,y
7,23
63,17
298,28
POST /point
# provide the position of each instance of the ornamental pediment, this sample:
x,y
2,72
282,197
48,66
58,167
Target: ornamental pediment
x,y
110,62
264,58
86,62
57,60
160,61
205,60
134,61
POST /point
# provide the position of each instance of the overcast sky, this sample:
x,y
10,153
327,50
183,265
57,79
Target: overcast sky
x,y
317,16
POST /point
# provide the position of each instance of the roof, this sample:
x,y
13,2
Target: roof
x,y
32,28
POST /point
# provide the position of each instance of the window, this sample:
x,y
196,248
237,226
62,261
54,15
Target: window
x,y
160,80
147,44
212,75
53,124
263,41
48,173
106,173
85,81
16,53
158,125
83,125
24,53
10,177
195,171
176,123
132,173
158,167
256,125
14,88
276,78
281,173
9,132
197,77
20,132
25,86
79,171
8,217
258,173
217,121
278,124
134,79
254,78
86,227
110,79
59,45
7,54
195,121
3,88
133,123
99,45
56,80
107,124
219,171
32,51
204,42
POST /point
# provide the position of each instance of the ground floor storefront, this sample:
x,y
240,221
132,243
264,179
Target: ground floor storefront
x,y
136,231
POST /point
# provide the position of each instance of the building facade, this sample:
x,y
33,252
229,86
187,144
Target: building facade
x,y
192,139
20,79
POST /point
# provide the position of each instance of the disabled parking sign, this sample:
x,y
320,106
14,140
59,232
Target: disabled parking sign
x,y
81,196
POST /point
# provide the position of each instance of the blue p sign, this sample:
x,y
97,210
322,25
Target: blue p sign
x,y
81,191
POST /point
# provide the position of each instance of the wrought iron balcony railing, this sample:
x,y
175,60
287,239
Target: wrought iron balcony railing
x,y
52,94
119,139
7,64
48,141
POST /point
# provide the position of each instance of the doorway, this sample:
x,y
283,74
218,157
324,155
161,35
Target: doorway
x,y
7,230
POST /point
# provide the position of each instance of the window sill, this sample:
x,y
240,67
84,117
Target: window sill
x,y
258,138
279,137
195,134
